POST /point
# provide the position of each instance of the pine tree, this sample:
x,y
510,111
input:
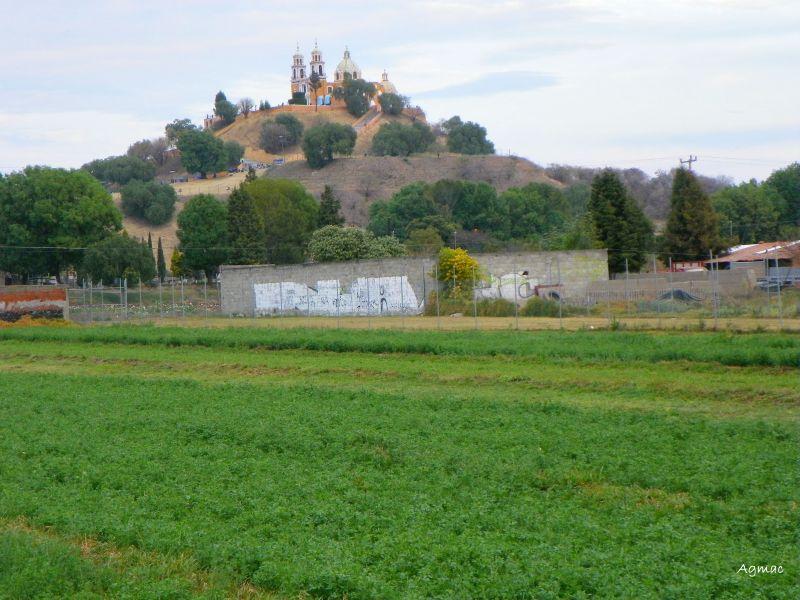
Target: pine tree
x,y
620,224
329,207
247,235
161,263
692,228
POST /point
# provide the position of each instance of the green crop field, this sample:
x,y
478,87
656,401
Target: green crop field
x,y
159,462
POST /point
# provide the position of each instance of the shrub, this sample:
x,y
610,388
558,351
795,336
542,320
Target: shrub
x,y
321,142
487,307
392,104
152,201
396,139
541,307
121,169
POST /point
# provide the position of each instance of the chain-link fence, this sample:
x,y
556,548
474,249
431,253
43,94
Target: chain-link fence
x,y
126,301
354,295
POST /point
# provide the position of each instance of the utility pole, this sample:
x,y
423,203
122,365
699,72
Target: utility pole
x,y
688,161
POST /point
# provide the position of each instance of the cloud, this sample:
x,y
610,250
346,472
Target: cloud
x,y
501,82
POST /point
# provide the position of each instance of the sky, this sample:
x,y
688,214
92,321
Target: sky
x,y
584,82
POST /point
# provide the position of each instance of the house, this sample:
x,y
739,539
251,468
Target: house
x,y
774,260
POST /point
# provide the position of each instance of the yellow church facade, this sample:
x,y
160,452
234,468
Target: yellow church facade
x,y
302,77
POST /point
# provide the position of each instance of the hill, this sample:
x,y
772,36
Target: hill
x,y
358,182
247,130
361,180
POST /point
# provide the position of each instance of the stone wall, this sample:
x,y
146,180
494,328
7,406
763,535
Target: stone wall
x,y
400,285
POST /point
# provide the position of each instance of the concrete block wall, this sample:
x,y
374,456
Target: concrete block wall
x,y
242,284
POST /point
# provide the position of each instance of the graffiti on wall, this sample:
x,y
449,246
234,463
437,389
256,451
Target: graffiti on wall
x,y
365,296
503,287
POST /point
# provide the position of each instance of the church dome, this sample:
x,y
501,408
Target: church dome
x,y
386,85
347,67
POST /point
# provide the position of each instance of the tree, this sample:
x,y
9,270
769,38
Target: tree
x,y
154,151
234,152
273,137
787,183
748,213
152,201
392,217
118,257
533,211
458,271
468,138
161,263
225,109
201,152
329,207
174,130
336,243
177,266
251,174
357,94
276,134
619,223
293,126
57,209
424,242
392,104
264,105
289,216
245,106
396,139
322,141
203,234
248,238
314,83
692,228
150,242
474,205
121,169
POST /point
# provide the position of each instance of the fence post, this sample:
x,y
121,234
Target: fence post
x,y
436,276
516,304
205,293
627,294
91,303
474,299
560,293
655,290
671,286
780,301
402,303
308,301
338,303
369,322
160,298
183,300
174,307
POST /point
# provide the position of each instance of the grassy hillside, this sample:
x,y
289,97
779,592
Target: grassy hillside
x,y
361,180
247,130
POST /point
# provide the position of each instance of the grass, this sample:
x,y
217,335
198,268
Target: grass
x,y
167,462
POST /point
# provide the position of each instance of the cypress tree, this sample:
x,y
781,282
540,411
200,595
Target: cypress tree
x,y
692,227
620,224
150,242
161,263
329,207
251,174
246,230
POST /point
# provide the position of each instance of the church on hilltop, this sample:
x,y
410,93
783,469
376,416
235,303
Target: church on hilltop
x,y
303,91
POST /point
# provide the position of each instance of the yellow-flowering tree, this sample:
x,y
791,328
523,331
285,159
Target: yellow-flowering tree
x,y
458,271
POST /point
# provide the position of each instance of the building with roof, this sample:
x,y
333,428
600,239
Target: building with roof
x,y
777,261
303,77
